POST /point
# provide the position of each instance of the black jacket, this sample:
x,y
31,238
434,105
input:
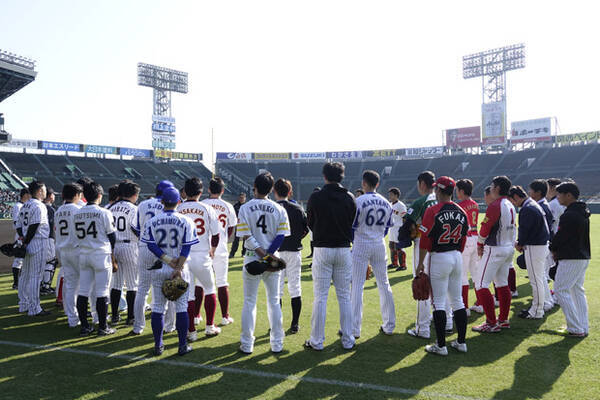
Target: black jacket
x,y
330,214
533,228
298,226
572,240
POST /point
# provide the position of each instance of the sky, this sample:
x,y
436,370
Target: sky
x,y
287,76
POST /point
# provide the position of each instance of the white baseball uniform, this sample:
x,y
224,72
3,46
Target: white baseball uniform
x,y
263,220
205,220
92,225
66,243
170,231
33,212
17,262
146,210
398,213
126,247
372,221
227,219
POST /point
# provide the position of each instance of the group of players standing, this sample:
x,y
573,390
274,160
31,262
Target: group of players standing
x,y
137,247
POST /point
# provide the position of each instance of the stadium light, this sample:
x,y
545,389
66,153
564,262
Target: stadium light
x,y
163,81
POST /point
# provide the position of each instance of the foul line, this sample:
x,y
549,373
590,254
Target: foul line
x,y
240,371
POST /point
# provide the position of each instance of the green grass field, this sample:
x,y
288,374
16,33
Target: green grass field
x,y
43,358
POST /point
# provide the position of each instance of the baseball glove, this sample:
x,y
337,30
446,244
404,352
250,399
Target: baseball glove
x,y
421,287
174,288
13,250
268,263
369,272
521,261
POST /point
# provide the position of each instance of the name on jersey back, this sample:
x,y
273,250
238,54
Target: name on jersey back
x,y
168,220
449,215
262,207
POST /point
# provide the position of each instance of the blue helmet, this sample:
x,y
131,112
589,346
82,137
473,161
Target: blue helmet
x,y
170,195
162,185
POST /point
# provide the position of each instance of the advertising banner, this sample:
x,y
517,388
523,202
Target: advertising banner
x,y
92,148
271,156
30,144
380,153
531,130
127,151
180,155
309,156
60,146
492,122
234,156
424,152
344,154
578,137
463,137
160,153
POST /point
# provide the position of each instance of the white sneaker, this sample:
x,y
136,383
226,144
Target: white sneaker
x,y
435,349
226,321
212,330
414,333
477,309
197,320
462,347
192,336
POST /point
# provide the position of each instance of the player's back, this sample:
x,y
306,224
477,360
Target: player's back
x,y
170,231
64,227
471,208
205,221
124,216
373,217
226,216
502,232
146,210
93,224
450,225
263,219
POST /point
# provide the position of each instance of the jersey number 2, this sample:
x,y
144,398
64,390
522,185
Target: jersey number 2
x,y
448,236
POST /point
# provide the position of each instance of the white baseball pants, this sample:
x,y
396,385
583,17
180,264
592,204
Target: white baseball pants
x,y
423,320
331,264
95,274
220,264
159,302
251,282
470,260
292,271
126,255
201,273
145,260
549,299
69,261
445,273
373,253
493,266
535,260
31,278
570,294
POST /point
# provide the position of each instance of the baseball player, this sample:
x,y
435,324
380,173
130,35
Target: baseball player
x,y
291,249
264,224
464,190
220,263
124,213
146,209
495,247
414,216
444,231
24,197
33,230
236,240
207,231
68,254
557,210
95,233
398,212
169,236
50,267
371,223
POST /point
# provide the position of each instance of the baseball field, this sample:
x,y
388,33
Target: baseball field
x,y
43,358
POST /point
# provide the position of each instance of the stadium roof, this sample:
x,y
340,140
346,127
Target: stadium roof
x,y
16,72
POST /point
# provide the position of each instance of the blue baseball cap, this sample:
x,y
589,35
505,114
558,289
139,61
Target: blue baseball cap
x,y
170,195
162,185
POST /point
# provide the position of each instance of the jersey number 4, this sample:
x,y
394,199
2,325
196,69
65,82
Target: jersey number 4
x,y
262,224
82,231
447,235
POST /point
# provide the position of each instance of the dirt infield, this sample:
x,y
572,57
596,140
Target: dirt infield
x,y
7,234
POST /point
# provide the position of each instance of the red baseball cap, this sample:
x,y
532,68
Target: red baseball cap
x,y
444,182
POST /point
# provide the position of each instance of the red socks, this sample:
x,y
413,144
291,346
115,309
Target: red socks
x,y
465,295
223,292
59,296
504,298
191,325
198,294
402,258
486,299
394,257
210,306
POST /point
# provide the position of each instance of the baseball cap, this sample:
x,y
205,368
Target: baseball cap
x,y
444,182
170,195
162,185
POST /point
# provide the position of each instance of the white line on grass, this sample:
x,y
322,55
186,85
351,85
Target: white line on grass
x,y
240,371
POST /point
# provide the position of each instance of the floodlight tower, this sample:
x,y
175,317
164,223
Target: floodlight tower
x,y
492,66
163,81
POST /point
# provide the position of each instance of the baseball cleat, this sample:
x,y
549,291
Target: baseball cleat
x,y
308,345
504,324
515,293
115,320
192,336
392,266
477,308
415,333
197,320
183,350
158,350
462,347
226,320
212,330
86,331
129,321
276,351
340,334
384,332
133,333
244,351
107,331
43,313
486,328
435,349
525,315
401,268
294,329
577,335
169,330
